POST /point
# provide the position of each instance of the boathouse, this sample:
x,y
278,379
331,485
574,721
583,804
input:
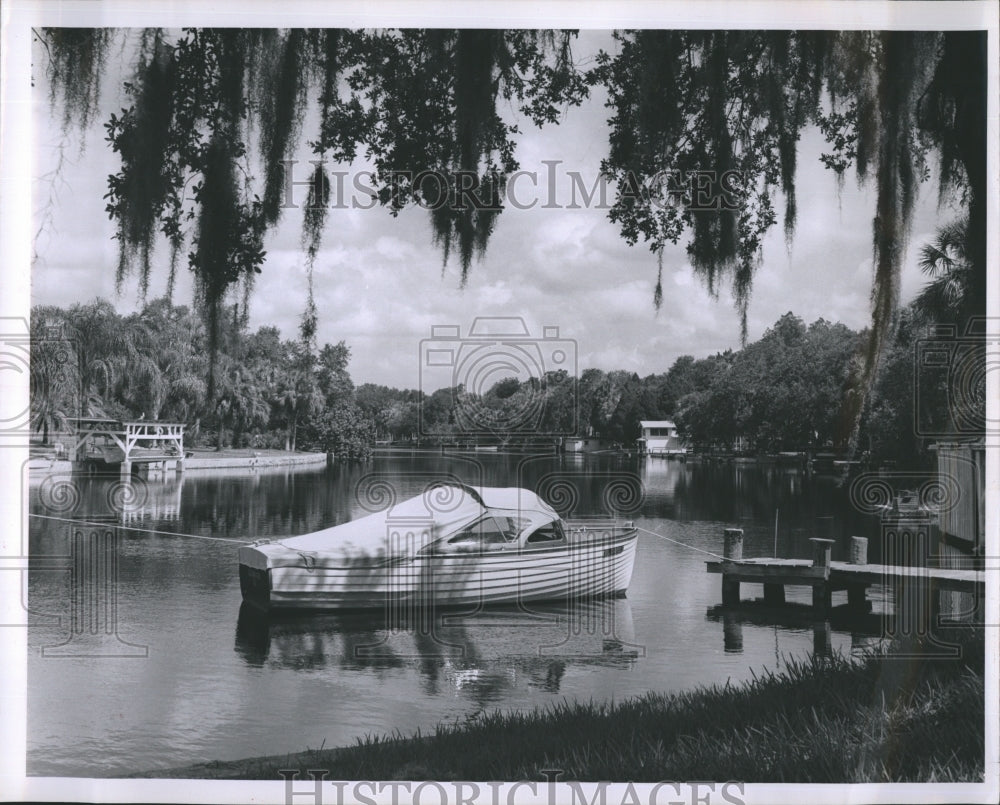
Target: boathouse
x,y
961,469
660,438
584,444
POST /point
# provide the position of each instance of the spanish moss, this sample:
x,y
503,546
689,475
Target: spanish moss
x,y
281,96
76,64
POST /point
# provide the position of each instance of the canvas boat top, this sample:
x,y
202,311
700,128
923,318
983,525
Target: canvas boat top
x,y
407,526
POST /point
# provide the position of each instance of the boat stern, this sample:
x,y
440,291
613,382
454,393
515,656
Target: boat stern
x,y
255,577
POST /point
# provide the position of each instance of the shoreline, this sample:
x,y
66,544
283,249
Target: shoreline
x,y
39,466
811,721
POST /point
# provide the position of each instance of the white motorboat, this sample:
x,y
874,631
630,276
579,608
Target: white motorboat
x,y
450,546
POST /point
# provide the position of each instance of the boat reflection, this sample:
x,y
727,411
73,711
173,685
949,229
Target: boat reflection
x,y
476,653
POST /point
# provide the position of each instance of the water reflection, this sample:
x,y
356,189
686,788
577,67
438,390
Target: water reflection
x,y
477,654
865,629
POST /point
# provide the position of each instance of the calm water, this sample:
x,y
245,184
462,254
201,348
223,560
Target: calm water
x,y
187,679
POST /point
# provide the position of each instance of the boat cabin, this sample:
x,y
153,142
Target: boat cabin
x,y
498,532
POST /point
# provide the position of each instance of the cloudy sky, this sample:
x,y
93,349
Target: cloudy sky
x,y
380,285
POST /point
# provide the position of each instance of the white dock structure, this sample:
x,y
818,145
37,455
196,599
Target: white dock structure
x,y
100,443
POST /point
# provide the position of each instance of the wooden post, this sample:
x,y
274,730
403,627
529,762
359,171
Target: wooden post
x,y
821,598
732,634
774,594
733,546
732,550
856,600
821,551
821,558
859,551
822,639
730,591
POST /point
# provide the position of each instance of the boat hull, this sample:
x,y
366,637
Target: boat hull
x,y
592,569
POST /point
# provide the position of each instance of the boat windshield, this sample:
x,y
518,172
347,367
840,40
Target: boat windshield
x,y
491,530
550,532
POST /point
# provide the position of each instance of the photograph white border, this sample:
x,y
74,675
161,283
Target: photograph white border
x,y
16,192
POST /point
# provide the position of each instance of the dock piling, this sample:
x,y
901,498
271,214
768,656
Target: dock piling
x,y
821,559
856,593
732,634
859,550
774,594
732,550
733,546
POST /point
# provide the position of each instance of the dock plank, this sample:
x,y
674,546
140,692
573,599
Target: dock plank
x,y
772,571
945,578
842,574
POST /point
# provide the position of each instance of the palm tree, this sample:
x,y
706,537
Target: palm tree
x,y
955,292
299,395
106,352
174,334
239,402
247,409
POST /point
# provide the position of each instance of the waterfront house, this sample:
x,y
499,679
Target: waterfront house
x,y
660,437
584,444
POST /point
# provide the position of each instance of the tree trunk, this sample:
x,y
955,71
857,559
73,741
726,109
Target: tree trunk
x,y
221,436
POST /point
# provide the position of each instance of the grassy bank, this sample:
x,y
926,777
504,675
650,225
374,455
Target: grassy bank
x,y
874,719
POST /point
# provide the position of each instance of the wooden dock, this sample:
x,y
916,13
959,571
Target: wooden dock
x,y
110,443
826,577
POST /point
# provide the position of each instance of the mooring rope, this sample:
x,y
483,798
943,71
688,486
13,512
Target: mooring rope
x,y
143,530
685,545
247,541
